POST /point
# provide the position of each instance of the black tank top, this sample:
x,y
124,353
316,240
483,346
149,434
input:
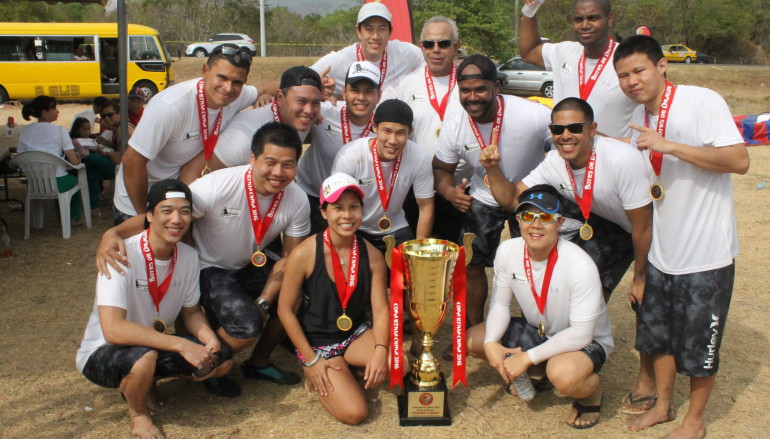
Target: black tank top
x,y
319,315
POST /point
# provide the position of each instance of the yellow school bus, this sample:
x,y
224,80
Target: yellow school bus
x,y
78,60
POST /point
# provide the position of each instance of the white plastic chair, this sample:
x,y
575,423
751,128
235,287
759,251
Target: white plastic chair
x,y
40,168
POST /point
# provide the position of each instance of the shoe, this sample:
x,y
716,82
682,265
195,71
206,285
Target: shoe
x,y
542,384
583,409
223,386
638,405
270,373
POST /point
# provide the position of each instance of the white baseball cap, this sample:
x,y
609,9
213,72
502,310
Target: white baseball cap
x,y
363,70
374,9
334,186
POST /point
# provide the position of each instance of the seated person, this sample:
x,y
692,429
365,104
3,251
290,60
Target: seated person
x,y
99,165
91,114
329,324
44,136
136,99
110,121
565,328
127,343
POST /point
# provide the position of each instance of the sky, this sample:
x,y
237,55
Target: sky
x,y
305,7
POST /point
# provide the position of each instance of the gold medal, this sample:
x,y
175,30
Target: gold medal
x,y
541,329
384,224
258,259
206,169
159,325
438,131
486,181
344,323
656,191
586,231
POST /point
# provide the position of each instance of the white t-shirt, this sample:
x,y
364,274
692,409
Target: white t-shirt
x,y
402,58
169,133
693,226
223,233
575,312
413,90
46,137
316,162
612,108
355,159
130,292
621,181
523,137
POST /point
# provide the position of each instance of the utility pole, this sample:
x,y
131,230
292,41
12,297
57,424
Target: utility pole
x,y
262,44
516,24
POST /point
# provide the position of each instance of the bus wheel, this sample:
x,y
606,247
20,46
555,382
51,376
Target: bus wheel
x,y
148,88
3,95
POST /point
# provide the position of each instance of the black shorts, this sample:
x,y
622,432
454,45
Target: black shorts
x,y
520,334
401,235
108,365
685,316
119,217
487,223
611,247
230,294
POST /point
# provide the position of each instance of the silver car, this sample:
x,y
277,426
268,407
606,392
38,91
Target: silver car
x,y
525,77
204,49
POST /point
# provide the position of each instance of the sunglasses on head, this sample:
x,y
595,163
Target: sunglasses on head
x,y
107,115
545,218
442,44
574,128
240,54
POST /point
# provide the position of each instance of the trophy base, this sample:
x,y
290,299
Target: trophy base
x,y
426,406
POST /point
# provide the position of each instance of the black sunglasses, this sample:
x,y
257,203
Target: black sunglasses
x,y
239,54
574,128
442,44
107,115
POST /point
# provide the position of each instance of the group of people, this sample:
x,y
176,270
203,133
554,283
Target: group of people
x,y
404,142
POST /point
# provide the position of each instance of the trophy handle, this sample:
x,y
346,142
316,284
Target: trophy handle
x,y
468,244
390,242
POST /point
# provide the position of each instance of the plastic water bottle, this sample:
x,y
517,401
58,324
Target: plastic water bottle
x,y
523,385
761,186
530,10
5,242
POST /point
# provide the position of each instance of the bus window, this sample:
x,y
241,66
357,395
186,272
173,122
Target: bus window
x,y
143,48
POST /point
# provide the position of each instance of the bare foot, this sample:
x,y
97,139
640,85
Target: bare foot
x,y
656,415
638,403
585,412
142,427
687,431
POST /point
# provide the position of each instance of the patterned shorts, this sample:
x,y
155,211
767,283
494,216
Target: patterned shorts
x,y
685,316
487,223
337,349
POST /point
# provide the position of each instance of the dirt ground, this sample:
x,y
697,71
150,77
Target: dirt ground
x,y
47,287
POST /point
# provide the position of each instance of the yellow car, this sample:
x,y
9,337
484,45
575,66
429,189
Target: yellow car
x,y
679,52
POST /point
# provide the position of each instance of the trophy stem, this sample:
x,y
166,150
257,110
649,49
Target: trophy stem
x,y
425,371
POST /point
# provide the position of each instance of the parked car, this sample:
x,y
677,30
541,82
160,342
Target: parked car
x,y
202,49
704,58
679,52
525,77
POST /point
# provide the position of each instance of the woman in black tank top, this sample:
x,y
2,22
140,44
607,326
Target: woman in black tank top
x,y
326,315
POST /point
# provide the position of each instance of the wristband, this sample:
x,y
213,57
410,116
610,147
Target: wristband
x,y
312,363
375,346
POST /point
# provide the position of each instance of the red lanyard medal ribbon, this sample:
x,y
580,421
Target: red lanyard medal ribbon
x,y
440,108
496,125
656,158
276,115
585,200
383,62
345,286
209,140
588,86
345,123
260,227
385,194
157,292
542,298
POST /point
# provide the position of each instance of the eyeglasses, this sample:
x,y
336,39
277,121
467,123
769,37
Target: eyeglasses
x,y
107,115
239,54
545,218
442,44
574,128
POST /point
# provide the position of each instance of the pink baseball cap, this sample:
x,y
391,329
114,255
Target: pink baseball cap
x,y
334,186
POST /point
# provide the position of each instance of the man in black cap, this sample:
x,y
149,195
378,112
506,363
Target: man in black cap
x,y
129,340
385,168
297,104
522,129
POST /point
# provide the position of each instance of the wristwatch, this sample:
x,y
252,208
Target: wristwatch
x,y
264,305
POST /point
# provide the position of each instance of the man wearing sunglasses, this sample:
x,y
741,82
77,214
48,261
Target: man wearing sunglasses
x,y
522,126
582,68
431,92
170,133
297,104
394,58
565,331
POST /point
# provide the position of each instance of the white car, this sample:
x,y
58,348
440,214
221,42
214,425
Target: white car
x,y
202,50
525,77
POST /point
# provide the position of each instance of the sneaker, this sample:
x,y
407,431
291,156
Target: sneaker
x,y
270,373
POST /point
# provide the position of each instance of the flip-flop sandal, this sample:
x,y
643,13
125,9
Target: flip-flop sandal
x,y
638,401
583,409
270,373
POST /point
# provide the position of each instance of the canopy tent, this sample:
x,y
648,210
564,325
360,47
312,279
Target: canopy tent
x,y
111,5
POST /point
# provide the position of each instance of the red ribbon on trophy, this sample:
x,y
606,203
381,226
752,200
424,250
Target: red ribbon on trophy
x,y
396,306
458,296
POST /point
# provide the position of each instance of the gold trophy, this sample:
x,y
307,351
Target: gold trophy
x,y
428,266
